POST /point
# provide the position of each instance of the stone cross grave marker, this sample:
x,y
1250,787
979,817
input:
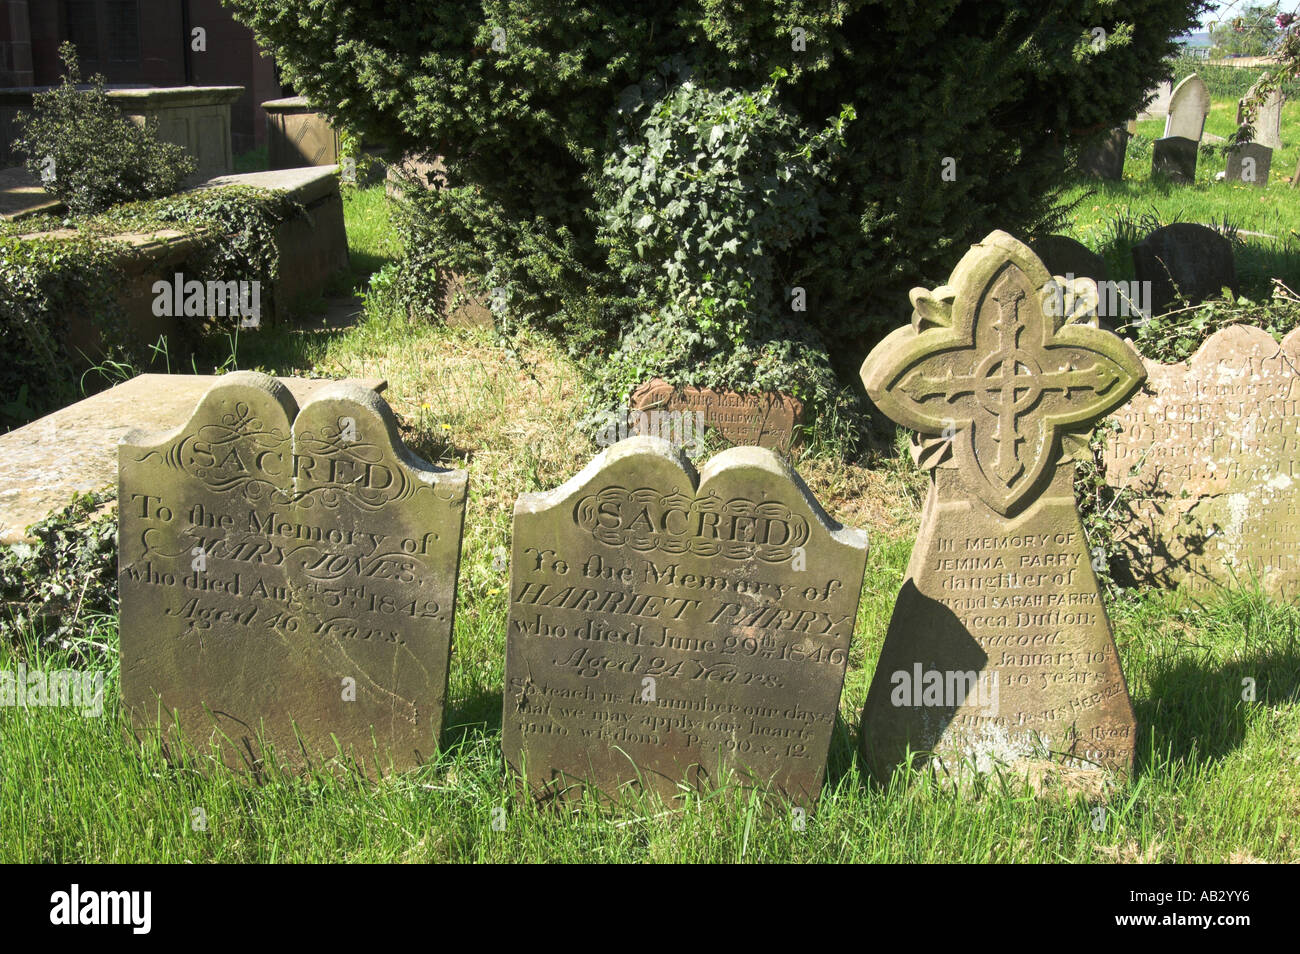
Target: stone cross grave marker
x,y
1189,104
999,649
666,627
288,572
1268,118
1211,452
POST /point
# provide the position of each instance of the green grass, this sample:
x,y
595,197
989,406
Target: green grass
x,y
1217,779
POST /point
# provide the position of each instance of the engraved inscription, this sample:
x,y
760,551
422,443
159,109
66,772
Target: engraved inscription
x,y
632,655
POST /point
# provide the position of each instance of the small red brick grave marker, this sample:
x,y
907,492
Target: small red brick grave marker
x,y
767,419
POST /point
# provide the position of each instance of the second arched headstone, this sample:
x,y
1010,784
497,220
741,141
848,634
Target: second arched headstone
x,y
669,628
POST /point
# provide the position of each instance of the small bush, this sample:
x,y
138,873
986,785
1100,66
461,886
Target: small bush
x,y
87,154
48,589
704,206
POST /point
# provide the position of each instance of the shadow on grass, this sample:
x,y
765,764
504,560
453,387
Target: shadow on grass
x,y
477,717
1197,709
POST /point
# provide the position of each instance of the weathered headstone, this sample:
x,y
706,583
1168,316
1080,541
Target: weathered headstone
x,y
763,420
999,650
1189,104
1157,102
1210,452
1268,117
666,627
1070,259
1174,157
1249,163
288,573
1105,158
1185,258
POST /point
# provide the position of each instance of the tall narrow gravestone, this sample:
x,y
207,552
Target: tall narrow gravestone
x,y
1157,102
999,649
1189,104
666,627
1268,116
288,575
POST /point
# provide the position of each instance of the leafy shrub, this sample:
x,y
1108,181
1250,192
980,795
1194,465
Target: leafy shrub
x,y
1176,336
522,101
48,589
88,154
702,205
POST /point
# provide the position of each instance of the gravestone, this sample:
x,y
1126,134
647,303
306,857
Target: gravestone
x,y
1210,450
1157,100
1249,163
1189,104
1105,159
1187,258
999,650
666,627
763,420
1268,117
37,474
1174,157
1069,257
288,573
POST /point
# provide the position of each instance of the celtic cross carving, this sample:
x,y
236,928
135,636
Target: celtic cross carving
x,y
1002,361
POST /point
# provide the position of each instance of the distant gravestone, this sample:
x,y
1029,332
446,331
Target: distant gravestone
x,y
1105,159
1249,163
999,651
1210,453
1185,258
1175,158
288,573
1268,117
767,420
1157,102
665,628
1189,104
1070,259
